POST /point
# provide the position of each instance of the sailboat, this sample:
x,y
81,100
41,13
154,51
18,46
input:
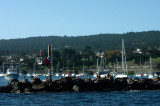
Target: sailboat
x,y
97,73
73,74
139,75
124,63
145,74
82,74
102,72
57,74
150,76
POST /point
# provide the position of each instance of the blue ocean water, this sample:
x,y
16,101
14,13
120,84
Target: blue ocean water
x,y
150,98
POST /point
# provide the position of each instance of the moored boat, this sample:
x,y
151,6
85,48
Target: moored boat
x,y
121,76
80,74
101,74
124,64
11,73
67,75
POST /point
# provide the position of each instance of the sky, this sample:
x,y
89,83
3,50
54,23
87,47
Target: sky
x,y
31,18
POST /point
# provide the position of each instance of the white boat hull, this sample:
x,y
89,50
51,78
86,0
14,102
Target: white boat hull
x,y
11,76
150,76
121,76
1,75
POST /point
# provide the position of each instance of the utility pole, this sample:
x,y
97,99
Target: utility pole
x,y
50,60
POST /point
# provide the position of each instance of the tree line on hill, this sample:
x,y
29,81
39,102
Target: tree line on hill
x,y
75,51
99,42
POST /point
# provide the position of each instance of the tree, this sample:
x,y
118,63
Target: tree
x,y
88,56
70,56
112,55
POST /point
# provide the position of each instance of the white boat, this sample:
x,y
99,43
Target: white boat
x,y
11,74
80,74
34,75
124,63
102,74
139,75
155,75
121,75
57,74
63,75
150,76
28,75
73,74
145,74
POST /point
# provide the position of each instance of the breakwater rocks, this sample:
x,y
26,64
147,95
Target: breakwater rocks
x,y
80,85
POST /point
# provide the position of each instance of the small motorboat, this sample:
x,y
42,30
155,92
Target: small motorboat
x,y
11,73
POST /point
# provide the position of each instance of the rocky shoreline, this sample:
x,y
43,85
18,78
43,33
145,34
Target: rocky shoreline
x,y
80,85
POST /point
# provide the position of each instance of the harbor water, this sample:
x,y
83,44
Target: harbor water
x,y
150,98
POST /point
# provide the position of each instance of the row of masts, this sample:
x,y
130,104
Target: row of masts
x,y
124,63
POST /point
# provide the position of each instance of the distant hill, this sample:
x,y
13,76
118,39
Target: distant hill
x,y
97,42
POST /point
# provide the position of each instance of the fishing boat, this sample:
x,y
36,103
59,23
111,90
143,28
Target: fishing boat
x,y
11,73
124,64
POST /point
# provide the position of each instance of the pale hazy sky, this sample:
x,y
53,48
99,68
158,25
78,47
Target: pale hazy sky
x,y
26,18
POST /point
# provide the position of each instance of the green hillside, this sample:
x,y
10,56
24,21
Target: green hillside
x,y
97,42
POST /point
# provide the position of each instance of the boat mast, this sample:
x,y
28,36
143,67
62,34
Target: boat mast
x,y
140,65
125,60
67,63
117,64
58,67
124,63
50,59
123,56
97,66
150,65
73,66
83,65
